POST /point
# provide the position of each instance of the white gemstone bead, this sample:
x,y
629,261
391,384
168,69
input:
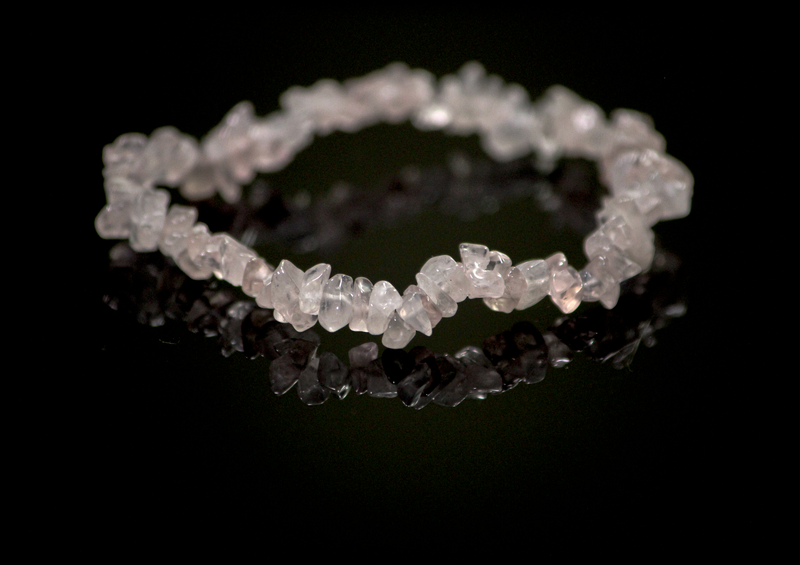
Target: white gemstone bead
x,y
362,289
413,310
382,302
433,312
398,333
578,127
210,255
536,275
474,255
596,280
440,298
311,289
123,157
515,286
255,275
659,184
485,284
195,241
302,321
286,281
611,297
565,288
235,258
633,129
113,221
264,298
277,139
336,307
200,182
633,239
168,157
147,219
499,262
177,225
556,262
448,275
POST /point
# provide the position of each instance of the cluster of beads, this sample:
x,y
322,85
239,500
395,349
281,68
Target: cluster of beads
x,y
646,186
151,288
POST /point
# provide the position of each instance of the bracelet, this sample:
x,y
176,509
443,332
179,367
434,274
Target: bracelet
x,y
646,186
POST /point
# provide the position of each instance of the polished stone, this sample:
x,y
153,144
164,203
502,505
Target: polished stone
x,y
398,333
362,289
448,275
383,301
536,276
177,226
336,306
311,288
413,311
443,301
235,258
256,275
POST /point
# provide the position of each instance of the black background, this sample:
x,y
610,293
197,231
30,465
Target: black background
x,y
179,425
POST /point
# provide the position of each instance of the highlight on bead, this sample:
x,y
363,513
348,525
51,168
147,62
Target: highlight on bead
x,y
646,186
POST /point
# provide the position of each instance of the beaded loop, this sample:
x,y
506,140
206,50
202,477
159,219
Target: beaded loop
x,y
646,186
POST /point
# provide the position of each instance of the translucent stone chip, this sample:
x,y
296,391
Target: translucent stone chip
x,y
235,258
362,289
147,219
474,255
596,280
336,306
565,288
610,298
485,284
514,287
286,282
383,301
499,262
168,157
113,221
632,239
123,157
443,301
200,183
634,129
177,225
301,321
311,289
536,276
195,241
660,185
264,297
277,139
398,333
431,310
600,282
209,255
255,276
577,126
448,275
413,310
